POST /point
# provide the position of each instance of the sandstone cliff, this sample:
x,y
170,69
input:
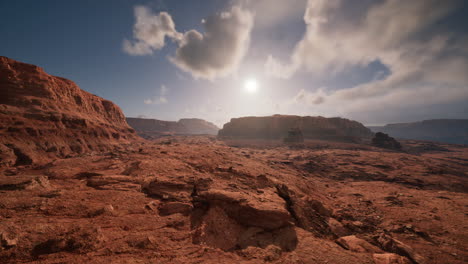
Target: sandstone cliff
x,y
153,128
43,116
199,126
277,127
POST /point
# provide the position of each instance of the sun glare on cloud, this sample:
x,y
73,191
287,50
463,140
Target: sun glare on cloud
x,y
251,86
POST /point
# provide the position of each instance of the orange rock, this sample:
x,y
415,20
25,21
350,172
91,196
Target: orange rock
x,y
44,117
390,258
277,127
356,244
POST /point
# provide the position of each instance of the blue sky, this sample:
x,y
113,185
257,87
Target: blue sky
x,y
376,62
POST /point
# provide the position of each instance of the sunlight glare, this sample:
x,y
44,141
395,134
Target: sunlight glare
x,y
251,86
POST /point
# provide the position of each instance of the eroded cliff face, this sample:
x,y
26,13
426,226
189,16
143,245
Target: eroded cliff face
x,y
43,116
154,128
277,127
199,126
148,128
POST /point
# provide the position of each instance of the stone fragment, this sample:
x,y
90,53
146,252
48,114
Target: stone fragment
x,y
356,244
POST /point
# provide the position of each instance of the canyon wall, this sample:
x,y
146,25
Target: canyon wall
x,y
154,128
44,116
277,127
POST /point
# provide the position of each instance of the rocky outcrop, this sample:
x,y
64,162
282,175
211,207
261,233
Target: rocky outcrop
x,y
391,244
442,130
201,201
390,258
277,127
383,140
43,116
198,126
153,128
356,244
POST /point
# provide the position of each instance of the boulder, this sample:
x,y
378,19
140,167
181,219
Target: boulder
x,y
8,240
308,213
337,228
7,156
393,245
356,244
269,213
25,183
169,190
269,254
390,258
170,208
383,140
230,220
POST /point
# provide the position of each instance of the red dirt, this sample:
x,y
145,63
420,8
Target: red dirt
x,y
197,200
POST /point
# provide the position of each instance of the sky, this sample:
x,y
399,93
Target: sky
x,y
374,61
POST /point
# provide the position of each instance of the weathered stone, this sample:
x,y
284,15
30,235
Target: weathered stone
x,y
169,190
383,140
391,244
8,240
390,258
170,208
356,244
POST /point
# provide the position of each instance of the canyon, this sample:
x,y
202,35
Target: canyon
x,y
78,185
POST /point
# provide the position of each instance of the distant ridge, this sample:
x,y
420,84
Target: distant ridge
x,y
313,127
453,131
153,128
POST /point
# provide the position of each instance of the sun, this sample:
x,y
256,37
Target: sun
x,y
251,86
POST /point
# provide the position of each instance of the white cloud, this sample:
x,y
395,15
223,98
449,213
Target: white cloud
x,y
424,67
150,32
215,53
160,99
306,97
219,51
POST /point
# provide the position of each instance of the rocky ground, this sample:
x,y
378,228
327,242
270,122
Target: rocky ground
x,y
200,200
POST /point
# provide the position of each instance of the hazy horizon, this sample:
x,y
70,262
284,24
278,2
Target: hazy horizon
x,y
376,62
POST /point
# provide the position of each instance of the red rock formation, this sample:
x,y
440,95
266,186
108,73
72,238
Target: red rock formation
x,y
198,126
153,128
43,116
149,128
383,140
277,127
